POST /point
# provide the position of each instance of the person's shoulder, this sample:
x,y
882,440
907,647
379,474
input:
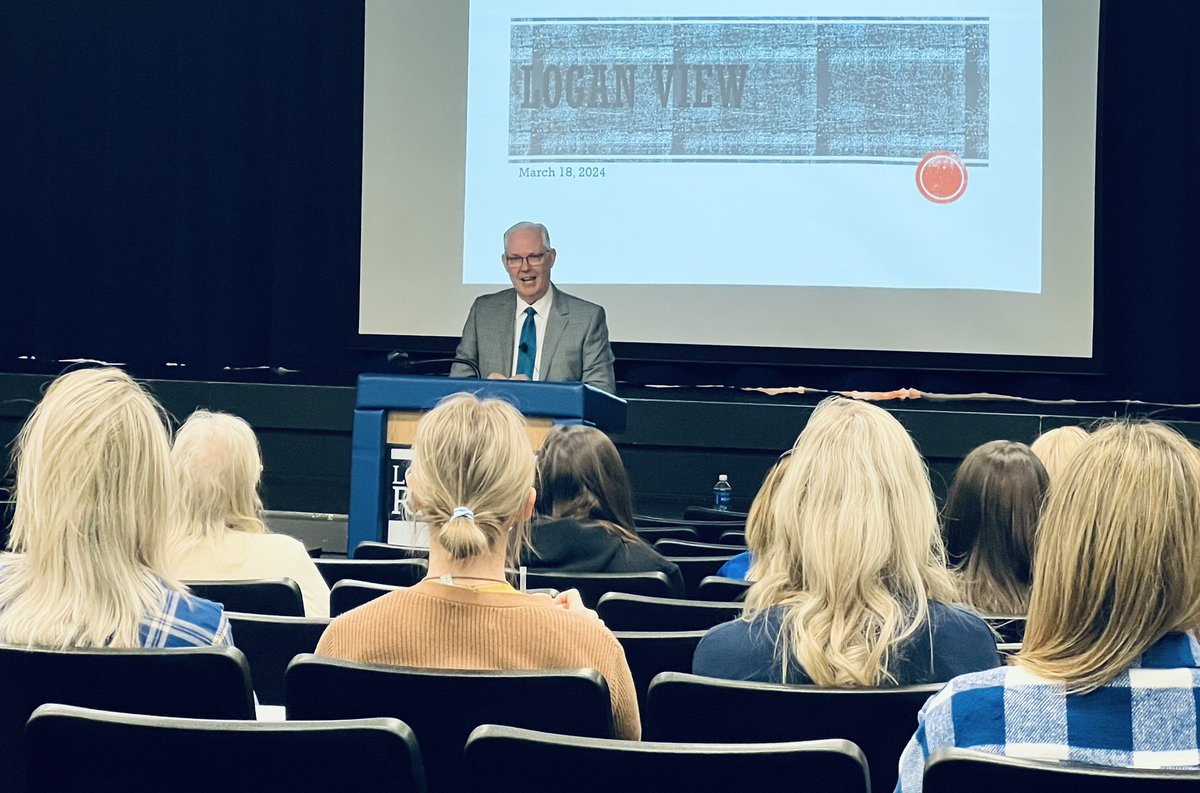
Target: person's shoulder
x,y
958,620
185,620
739,649
281,543
577,303
962,641
497,298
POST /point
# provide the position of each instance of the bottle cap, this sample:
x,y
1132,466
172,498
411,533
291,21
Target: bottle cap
x,y
723,478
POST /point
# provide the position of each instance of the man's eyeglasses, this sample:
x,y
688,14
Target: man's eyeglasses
x,y
534,259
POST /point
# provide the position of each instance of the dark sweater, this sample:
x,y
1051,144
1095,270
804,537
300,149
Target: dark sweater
x,y
584,546
961,642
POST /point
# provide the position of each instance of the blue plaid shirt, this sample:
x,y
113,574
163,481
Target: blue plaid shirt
x,y
185,621
1144,718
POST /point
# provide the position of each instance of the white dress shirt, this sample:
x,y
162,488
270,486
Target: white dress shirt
x,y
541,315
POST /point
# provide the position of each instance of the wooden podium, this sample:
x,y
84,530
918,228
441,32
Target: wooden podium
x,y
386,411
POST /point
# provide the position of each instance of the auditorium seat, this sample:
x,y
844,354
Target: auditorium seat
x,y
697,568
193,682
349,594
656,521
650,653
737,538
442,707
592,586
653,535
369,549
624,612
1011,629
682,707
392,572
512,760
711,515
279,596
715,587
955,770
671,548
77,749
270,643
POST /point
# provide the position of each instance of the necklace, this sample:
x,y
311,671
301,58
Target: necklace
x,y
448,580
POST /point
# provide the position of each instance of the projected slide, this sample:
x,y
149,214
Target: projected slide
x,y
812,143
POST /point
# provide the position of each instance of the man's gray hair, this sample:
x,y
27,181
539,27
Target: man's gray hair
x,y
528,224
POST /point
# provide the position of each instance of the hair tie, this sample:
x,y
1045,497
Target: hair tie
x,y
463,512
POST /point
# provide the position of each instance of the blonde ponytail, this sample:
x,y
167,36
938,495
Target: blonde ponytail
x,y
471,474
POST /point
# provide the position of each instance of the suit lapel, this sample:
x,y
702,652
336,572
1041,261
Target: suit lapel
x,y
556,325
503,331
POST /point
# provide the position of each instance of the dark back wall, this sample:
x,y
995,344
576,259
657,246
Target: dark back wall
x,y
180,184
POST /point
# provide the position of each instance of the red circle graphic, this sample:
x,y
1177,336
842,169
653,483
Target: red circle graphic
x,y
942,177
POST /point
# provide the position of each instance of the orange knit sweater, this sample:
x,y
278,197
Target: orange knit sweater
x,y
438,626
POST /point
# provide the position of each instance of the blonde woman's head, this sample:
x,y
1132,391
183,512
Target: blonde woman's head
x,y
759,520
94,495
1118,561
218,466
1056,447
856,549
471,455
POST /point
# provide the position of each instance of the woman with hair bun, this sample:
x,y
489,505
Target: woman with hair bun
x,y
219,534
990,519
94,497
471,481
852,588
585,506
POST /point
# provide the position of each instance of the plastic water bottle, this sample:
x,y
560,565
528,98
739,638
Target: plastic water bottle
x,y
722,492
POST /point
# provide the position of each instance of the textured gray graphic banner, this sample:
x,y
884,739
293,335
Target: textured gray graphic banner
x,y
805,89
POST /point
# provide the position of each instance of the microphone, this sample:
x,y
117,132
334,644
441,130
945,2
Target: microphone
x,y
402,359
524,348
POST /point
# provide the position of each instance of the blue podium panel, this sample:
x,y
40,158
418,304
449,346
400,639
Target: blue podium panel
x,y
377,481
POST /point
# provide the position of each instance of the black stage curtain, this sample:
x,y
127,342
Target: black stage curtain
x,y
181,180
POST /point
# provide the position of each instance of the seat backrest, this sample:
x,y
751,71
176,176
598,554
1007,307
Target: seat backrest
x,y
510,760
712,515
192,682
592,586
656,521
960,769
393,572
654,534
649,653
719,588
673,548
1011,629
683,707
270,643
697,568
80,749
315,529
624,612
280,596
348,594
733,538
442,707
369,549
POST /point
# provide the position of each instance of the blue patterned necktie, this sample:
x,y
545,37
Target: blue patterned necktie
x,y
527,351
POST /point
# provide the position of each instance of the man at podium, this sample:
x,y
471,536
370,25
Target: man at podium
x,y
535,331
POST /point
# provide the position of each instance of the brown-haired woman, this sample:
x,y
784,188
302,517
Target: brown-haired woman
x,y
585,508
989,522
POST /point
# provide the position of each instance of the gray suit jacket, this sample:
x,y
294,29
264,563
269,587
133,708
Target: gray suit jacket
x,y
575,348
